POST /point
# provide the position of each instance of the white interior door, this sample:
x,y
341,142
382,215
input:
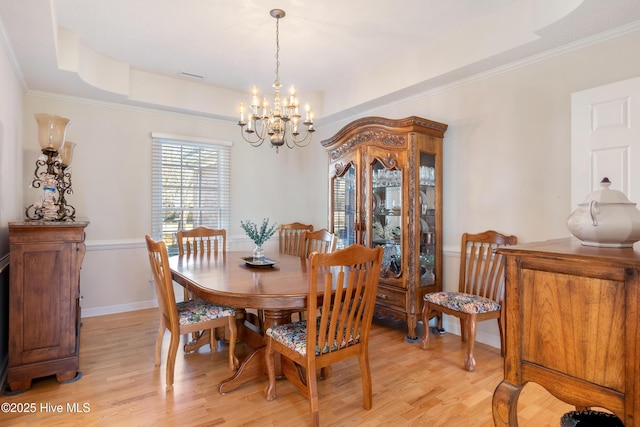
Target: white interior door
x,y
605,139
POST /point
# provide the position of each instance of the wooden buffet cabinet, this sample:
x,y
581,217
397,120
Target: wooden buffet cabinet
x,y
44,293
572,326
385,189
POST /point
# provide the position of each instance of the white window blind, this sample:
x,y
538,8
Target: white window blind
x,y
190,186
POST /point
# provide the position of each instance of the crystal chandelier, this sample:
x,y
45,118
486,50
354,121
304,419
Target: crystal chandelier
x,y
282,121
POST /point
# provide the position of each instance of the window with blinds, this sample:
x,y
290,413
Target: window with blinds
x,y
190,186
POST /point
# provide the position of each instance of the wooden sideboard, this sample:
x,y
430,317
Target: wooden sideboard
x,y
44,292
572,327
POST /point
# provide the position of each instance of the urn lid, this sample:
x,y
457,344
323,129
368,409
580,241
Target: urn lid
x,y
606,195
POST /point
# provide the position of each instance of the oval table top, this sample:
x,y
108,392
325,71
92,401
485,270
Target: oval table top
x,y
227,279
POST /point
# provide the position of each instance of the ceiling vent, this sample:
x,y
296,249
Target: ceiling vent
x,y
190,75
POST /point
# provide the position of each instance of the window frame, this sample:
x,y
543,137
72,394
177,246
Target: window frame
x,y
200,193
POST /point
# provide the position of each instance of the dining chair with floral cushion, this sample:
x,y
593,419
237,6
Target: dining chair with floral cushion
x,y
187,316
200,240
345,282
480,291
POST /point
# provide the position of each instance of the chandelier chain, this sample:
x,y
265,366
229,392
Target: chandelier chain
x,y
277,82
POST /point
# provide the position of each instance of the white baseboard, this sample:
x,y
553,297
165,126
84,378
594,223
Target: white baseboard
x,y
120,308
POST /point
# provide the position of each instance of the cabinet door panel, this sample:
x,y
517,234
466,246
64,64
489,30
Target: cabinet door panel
x,y
584,311
344,202
42,292
386,216
428,213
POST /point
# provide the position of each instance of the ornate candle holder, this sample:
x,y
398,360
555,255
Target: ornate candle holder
x,y
51,172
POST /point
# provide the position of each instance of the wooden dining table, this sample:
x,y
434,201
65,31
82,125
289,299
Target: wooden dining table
x,y
226,278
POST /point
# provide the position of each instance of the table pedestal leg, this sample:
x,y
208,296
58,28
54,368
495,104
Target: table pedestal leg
x,y
254,366
201,340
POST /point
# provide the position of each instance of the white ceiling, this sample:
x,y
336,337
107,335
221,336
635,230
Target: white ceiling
x,y
340,54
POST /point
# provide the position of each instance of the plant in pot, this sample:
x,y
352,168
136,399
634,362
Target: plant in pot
x,y
258,235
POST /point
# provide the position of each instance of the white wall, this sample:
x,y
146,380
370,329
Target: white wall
x,y
506,165
111,173
10,185
11,208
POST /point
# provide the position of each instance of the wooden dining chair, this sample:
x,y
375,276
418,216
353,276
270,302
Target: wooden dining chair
x,y
186,316
291,238
202,240
321,241
480,290
346,282
291,242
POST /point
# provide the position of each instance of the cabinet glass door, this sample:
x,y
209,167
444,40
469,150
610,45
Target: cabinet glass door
x,y
344,212
386,210
427,176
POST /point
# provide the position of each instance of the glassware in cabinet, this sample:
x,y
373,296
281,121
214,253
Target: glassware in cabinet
x,y
386,216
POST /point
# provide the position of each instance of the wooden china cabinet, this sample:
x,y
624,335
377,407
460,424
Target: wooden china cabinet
x,y
44,294
385,189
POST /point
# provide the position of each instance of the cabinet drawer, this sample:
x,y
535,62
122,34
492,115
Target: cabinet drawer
x,y
29,233
388,296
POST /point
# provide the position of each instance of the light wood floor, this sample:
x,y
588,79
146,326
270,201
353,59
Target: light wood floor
x,y
412,387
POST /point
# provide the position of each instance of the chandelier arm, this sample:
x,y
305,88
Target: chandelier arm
x,y
254,142
261,131
299,142
257,143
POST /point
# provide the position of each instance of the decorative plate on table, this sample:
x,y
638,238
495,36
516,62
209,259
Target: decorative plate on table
x,y
265,263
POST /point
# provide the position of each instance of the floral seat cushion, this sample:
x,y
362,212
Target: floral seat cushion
x,y
294,336
198,310
466,303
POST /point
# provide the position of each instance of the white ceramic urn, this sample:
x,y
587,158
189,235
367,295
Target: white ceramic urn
x,y
606,218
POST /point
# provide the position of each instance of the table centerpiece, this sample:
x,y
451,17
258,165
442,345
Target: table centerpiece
x,y
259,236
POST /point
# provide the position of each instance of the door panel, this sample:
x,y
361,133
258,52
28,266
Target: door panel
x,y
605,139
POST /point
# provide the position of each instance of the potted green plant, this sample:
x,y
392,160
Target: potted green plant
x,y
258,235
